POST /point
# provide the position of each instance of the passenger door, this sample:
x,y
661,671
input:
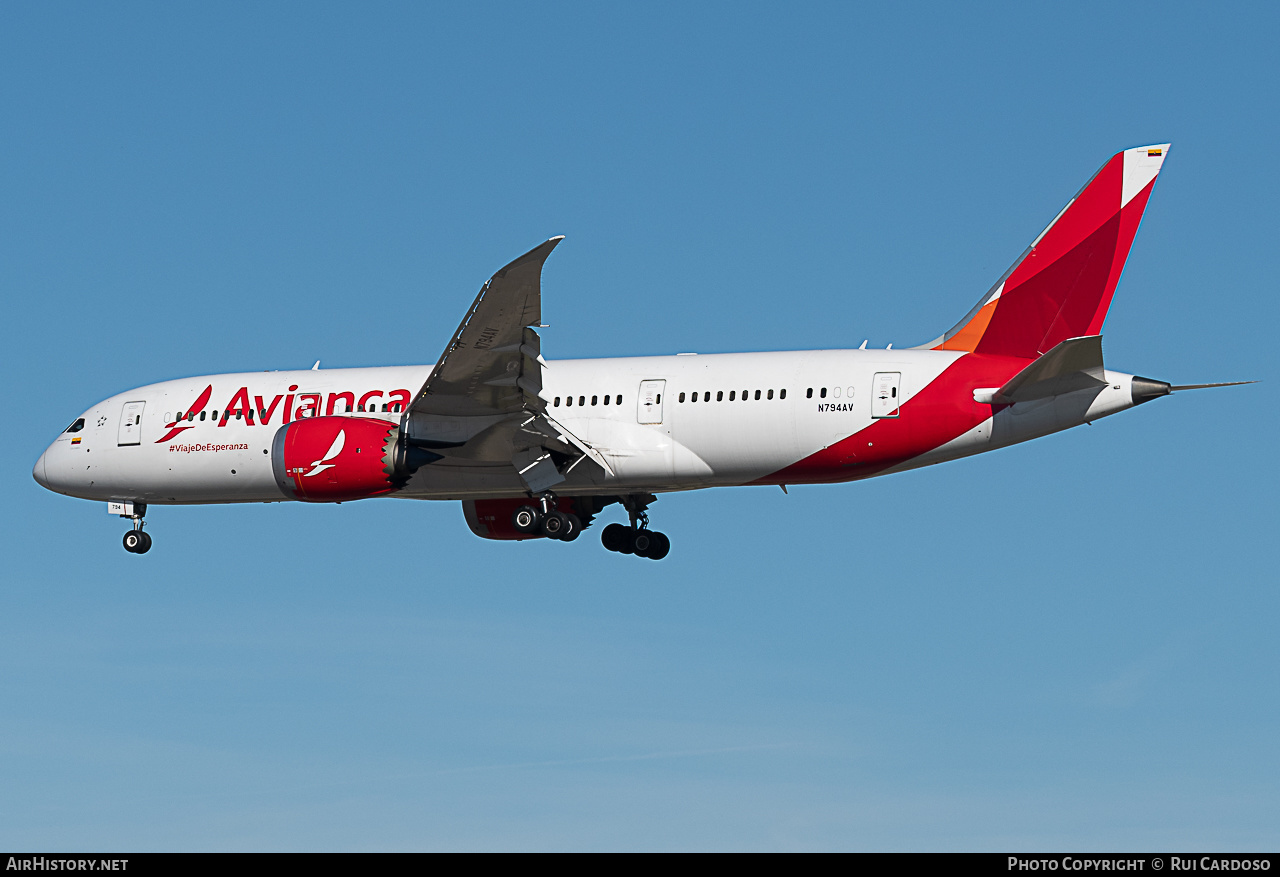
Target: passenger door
x,y
884,394
649,404
131,424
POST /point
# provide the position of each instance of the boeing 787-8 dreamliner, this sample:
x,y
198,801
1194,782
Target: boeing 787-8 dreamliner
x,y
536,449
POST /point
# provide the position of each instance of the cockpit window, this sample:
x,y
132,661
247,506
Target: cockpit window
x,y
77,426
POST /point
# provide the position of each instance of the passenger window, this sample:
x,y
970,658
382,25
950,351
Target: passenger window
x,y
822,393
694,397
719,395
202,413
782,394
77,426
732,394
619,400
757,395
771,394
348,409
606,400
594,399
657,400
360,407
682,397
745,395
835,392
582,400
849,392
808,394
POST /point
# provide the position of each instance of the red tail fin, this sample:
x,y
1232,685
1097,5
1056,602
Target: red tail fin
x,y
1062,285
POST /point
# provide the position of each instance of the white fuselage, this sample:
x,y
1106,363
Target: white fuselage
x,y
786,417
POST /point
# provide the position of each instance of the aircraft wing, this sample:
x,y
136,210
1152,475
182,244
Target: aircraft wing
x,y
493,364
481,402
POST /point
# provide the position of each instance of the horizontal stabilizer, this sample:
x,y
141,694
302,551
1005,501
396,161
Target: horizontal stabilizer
x,y
1074,364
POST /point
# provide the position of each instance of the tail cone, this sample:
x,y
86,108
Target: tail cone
x,y
1145,389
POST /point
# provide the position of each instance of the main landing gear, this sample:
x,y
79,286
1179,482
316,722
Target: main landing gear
x,y
137,540
542,516
637,539
544,519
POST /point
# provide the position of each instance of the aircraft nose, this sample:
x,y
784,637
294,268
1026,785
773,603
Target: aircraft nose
x,y
38,471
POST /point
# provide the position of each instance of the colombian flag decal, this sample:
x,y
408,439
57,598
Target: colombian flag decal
x,y
1154,153
76,440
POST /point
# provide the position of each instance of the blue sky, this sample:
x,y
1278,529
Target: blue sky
x,y
1069,644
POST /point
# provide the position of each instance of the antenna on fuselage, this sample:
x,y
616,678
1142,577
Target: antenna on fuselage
x,y
316,367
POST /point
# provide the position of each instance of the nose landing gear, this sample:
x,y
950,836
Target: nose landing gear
x,y
137,540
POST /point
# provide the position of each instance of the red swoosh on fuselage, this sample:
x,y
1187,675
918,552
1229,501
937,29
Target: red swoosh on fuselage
x,y
201,401
943,410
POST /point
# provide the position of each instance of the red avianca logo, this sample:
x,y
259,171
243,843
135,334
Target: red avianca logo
x,y
195,409
307,405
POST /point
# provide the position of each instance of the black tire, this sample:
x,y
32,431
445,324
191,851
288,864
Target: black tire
x,y
661,547
555,525
615,536
531,518
575,528
146,542
643,542
133,542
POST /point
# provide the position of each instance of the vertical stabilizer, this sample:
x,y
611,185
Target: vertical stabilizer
x,y
1061,286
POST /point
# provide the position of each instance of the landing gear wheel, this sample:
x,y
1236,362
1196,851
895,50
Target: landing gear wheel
x,y
615,536
574,530
137,542
660,546
642,543
555,525
527,519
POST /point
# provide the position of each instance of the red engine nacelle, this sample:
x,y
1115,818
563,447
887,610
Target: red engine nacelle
x,y
334,459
